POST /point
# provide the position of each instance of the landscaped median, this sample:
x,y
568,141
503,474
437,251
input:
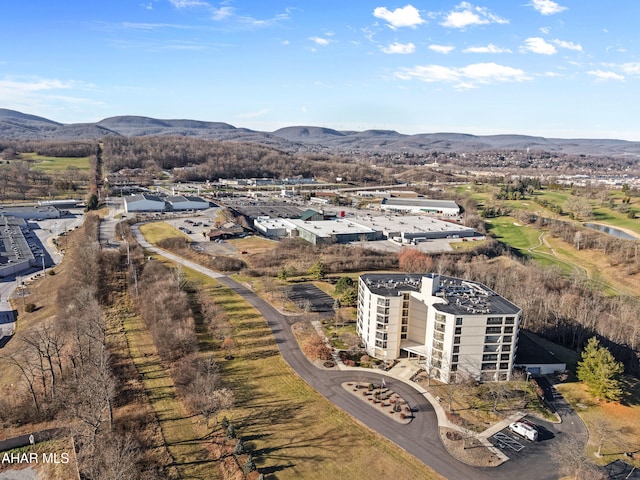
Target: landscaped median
x,y
382,399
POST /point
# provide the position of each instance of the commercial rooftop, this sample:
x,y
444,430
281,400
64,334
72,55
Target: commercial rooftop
x,y
142,197
461,297
326,228
412,225
14,247
422,202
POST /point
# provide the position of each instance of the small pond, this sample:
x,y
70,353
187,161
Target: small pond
x,y
610,231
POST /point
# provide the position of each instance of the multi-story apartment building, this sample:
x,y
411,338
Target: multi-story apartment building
x,y
457,328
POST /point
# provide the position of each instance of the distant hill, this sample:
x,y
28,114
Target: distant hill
x,y
17,125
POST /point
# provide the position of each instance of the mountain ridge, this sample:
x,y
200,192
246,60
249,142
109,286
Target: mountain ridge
x,y
16,125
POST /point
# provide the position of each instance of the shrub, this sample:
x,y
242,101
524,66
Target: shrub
x,y
51,272
249,465
30,307
239,448
315,348
231,432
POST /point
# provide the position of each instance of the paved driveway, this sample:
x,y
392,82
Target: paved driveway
x,y
420,437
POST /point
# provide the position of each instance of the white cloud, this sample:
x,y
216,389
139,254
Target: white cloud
x,y
631,68
491,48
466,14
323,42
188,3
222,13
407,16
399,48
442,48
547,7
568,45
465,77
538,45
602,76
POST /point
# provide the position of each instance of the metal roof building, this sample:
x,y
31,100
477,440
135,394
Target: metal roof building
x,y
144,203
447,208
184,202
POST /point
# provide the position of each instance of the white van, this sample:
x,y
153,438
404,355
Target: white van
x,y
527,429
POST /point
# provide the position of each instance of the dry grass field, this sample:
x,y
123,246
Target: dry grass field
x,y
617,425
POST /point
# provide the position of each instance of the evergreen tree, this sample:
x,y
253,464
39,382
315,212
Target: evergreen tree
x,y
600,371
318,270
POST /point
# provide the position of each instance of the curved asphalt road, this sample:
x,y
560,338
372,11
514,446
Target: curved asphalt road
x,y
420,437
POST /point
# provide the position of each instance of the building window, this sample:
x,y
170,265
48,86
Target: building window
x,y
508,329
505,356
406,296
405,313
488,366
456,349
506,348
504,366
493,330
454,359
437,345
459,321
510,320
440,317
456,340
458,330
492,339
490,357
506,339
438,336
494,321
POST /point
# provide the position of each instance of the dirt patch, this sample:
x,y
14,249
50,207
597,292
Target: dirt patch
x,y
467,449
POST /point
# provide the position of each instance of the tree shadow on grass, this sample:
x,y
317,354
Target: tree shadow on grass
x,y
631,391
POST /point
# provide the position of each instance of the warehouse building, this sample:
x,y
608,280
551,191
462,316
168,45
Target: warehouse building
x,y
41,212
185,202
7,320
144,203
444,208
16,253
413,229
334,231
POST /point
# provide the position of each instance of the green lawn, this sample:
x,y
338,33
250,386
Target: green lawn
x,y
54,165
293,431
156,231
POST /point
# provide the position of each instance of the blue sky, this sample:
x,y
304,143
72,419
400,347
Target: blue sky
x,y
539,67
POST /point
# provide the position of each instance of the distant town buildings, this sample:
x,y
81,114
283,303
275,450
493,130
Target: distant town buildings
x,y
456,328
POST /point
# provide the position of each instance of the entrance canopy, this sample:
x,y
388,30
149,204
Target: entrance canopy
x,y
414,348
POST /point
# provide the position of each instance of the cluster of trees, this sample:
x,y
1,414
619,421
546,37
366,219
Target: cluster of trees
x,y
67,368
297,257
164,307
619,251
48,148
566,310
19,181
197,160
164,300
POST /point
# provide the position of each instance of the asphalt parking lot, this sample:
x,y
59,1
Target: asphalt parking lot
x,y
527,454
303,292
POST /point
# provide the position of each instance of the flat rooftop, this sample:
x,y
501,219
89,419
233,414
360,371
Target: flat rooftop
x,y
326,228
419,202
462,297
409,224
14,247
